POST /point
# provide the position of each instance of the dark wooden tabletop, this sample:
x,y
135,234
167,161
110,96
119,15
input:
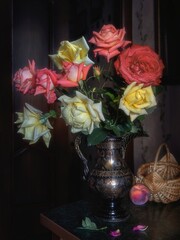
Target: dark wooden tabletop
x,y
162,221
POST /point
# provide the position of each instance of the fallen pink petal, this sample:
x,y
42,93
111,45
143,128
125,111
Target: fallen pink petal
x,y
115,233
140,228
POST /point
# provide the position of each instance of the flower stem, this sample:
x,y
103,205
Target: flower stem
x,y
50,114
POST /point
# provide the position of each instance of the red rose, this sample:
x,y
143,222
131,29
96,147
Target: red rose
x,y
140,64
108,40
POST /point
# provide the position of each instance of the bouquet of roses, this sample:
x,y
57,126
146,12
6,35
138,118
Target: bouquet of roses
x,y
97,101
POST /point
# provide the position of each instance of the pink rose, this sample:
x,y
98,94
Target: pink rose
x,y
108,40
140,64
45,84
25,79
73,73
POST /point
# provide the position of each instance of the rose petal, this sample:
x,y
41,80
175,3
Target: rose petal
x,y
115,233
140,228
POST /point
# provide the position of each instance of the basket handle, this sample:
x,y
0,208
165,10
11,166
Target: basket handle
x,y
158,152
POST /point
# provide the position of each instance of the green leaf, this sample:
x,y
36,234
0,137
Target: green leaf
x,y
141,117
87,224
81,83
115,129
53,113
110,95
96,137
150,110
120,129
157,89
134,129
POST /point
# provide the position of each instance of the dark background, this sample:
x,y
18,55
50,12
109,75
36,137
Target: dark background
x,y
33,178
167,18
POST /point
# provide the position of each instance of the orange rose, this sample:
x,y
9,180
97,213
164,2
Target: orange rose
x,y
108,40
140,64
72,74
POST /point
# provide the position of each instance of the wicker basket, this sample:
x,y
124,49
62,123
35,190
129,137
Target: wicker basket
x,y
162,177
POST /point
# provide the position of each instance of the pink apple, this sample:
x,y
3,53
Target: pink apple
x,y
139,194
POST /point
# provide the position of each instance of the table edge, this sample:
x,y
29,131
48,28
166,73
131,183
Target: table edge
x,y
56,229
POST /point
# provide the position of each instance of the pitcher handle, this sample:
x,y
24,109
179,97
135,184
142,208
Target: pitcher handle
x,y
77,144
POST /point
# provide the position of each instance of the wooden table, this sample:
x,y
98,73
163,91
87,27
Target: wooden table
x,y
163,221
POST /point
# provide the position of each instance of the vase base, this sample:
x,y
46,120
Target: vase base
x,y
112,211
115,219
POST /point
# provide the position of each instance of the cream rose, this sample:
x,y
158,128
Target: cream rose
x,y
73,52
81,113
136,99
33,125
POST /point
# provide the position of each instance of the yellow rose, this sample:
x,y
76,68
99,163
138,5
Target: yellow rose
x,y
136,99
74,52
81,113
33,125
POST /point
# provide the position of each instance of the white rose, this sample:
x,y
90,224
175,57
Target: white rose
x,y
81,113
